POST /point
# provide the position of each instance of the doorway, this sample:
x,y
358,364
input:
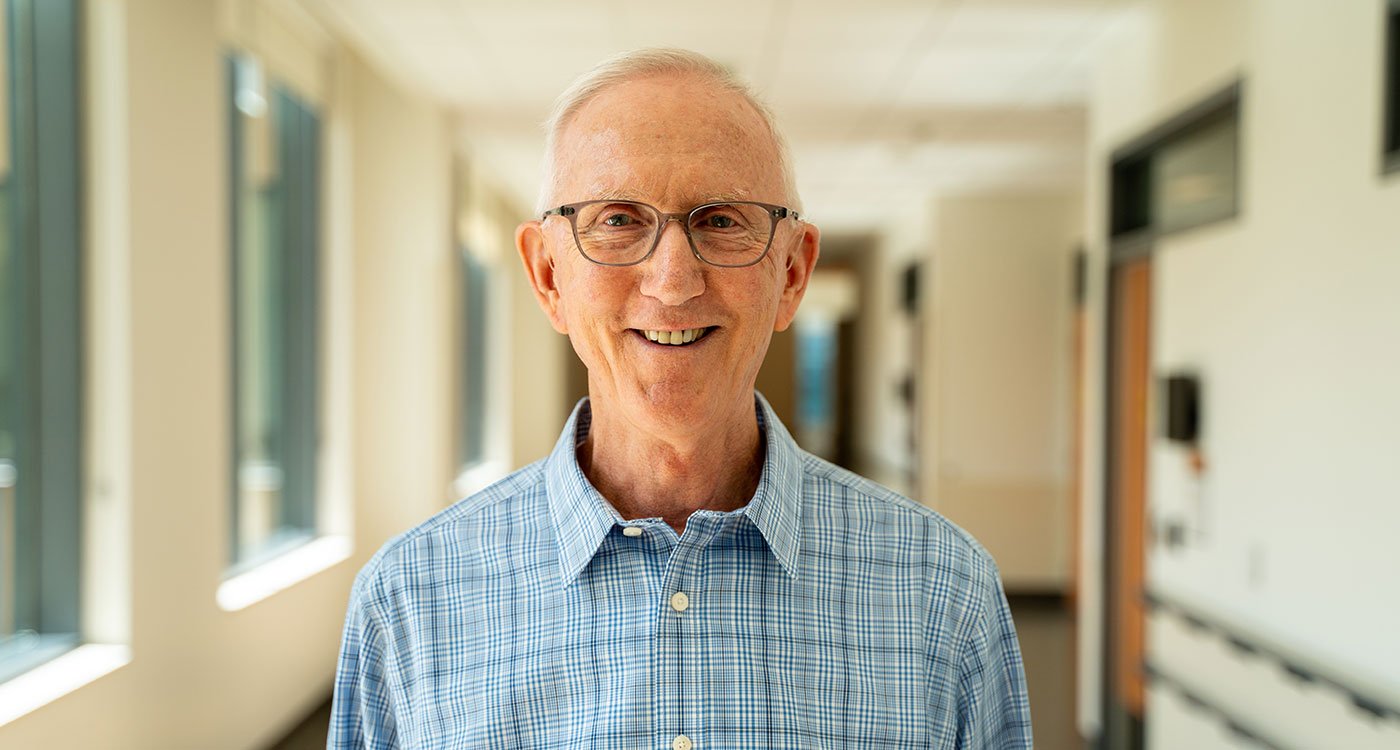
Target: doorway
x,y
1125,529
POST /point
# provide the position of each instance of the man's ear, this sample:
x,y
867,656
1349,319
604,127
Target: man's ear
x,y
800,262
539,269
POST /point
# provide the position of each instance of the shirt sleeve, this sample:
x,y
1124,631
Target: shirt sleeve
x,y
363,713
993,707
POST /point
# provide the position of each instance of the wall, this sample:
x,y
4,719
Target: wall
x,y
1285,312
404,266
182,670
997,352
540,358
885,352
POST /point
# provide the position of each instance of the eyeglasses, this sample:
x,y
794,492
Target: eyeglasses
x,y
623,233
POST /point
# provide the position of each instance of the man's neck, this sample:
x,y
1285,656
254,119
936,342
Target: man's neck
x,y
647,475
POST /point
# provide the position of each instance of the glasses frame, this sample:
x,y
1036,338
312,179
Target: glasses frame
x,y
775,215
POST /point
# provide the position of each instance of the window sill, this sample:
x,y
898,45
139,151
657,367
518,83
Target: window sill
x,y
478,477
56,678
297,565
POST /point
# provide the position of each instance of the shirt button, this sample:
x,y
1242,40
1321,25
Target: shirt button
x,y
681,742
680,602
631,531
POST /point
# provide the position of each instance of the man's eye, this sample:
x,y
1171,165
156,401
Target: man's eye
x,y
719,221
619,220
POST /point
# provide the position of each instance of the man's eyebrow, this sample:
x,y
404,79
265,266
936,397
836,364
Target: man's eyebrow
x,y
617,195
624,194
730,195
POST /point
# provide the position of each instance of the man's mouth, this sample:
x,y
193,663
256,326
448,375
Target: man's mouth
x,y
675,338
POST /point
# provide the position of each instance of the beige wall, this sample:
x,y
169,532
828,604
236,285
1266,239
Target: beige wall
x,y
540,359
404,265
996,420
1284,312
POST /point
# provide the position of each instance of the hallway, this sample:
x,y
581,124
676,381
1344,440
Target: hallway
x,y
1108,284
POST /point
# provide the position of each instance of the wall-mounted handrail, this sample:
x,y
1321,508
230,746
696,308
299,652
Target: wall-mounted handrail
x,y
1365,697
1231,722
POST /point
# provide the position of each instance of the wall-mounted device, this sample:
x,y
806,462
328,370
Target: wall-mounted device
x,y
1181,407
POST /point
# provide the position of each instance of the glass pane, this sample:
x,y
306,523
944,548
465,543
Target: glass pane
x,y
40,469
9,318
472,420
1194,179
816,380
275,206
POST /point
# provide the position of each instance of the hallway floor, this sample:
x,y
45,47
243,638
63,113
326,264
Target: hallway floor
x,y
1045,627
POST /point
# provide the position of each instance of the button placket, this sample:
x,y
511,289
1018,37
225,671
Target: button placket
x,y
678,663
673,699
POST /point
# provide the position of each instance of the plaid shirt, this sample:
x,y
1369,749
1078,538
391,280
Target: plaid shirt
x,y
829,612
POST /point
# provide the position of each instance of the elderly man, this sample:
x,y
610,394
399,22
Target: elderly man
x,y
677,573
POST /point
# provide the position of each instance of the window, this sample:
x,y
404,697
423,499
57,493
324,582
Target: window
x,y
40,337
275,195
1183,174
1391,145
479,234
471,443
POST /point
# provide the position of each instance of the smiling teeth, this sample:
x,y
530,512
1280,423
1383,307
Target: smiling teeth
x,y
676,337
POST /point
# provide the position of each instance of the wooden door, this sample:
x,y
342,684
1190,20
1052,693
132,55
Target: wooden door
x,y
1129,381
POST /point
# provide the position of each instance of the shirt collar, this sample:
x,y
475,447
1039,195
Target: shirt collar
x,y
582,517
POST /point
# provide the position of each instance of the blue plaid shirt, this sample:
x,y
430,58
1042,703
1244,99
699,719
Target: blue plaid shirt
x,y
829,612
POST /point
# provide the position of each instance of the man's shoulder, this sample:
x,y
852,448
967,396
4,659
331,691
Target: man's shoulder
x,y
866,512
455,530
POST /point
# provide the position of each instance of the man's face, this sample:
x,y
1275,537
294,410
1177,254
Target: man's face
x,y
674,143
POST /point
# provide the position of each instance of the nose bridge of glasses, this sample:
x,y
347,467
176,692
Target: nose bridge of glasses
x,y
683,219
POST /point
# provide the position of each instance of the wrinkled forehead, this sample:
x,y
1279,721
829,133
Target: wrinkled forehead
x,y
678,140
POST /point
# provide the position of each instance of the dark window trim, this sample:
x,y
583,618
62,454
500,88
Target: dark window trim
x,y
1390,94
1224,102
1205,110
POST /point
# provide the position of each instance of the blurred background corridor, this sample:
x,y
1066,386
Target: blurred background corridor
x,y
1112,284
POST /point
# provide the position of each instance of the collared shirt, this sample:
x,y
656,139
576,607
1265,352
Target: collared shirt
x,y
828,612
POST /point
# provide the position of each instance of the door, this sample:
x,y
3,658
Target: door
x,y
1129,363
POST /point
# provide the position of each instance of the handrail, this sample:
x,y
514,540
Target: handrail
x,y
1300,667
1231,722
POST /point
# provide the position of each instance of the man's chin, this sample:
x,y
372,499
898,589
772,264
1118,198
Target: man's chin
x,y
674,403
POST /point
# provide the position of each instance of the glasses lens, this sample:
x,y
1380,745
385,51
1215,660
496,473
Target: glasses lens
x,y
615,232
731,234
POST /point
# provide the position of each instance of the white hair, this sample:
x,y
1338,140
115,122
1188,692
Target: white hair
x,y
646,63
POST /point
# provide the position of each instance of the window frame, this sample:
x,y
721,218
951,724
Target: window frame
x,y
48,291
1390,94
1133,221
300,371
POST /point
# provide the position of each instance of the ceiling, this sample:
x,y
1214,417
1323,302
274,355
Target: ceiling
x,y
886,102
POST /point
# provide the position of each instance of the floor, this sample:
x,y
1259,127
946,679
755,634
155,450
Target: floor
x,y
311,733
1046,630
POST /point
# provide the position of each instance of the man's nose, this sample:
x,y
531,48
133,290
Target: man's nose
x,y
673,274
